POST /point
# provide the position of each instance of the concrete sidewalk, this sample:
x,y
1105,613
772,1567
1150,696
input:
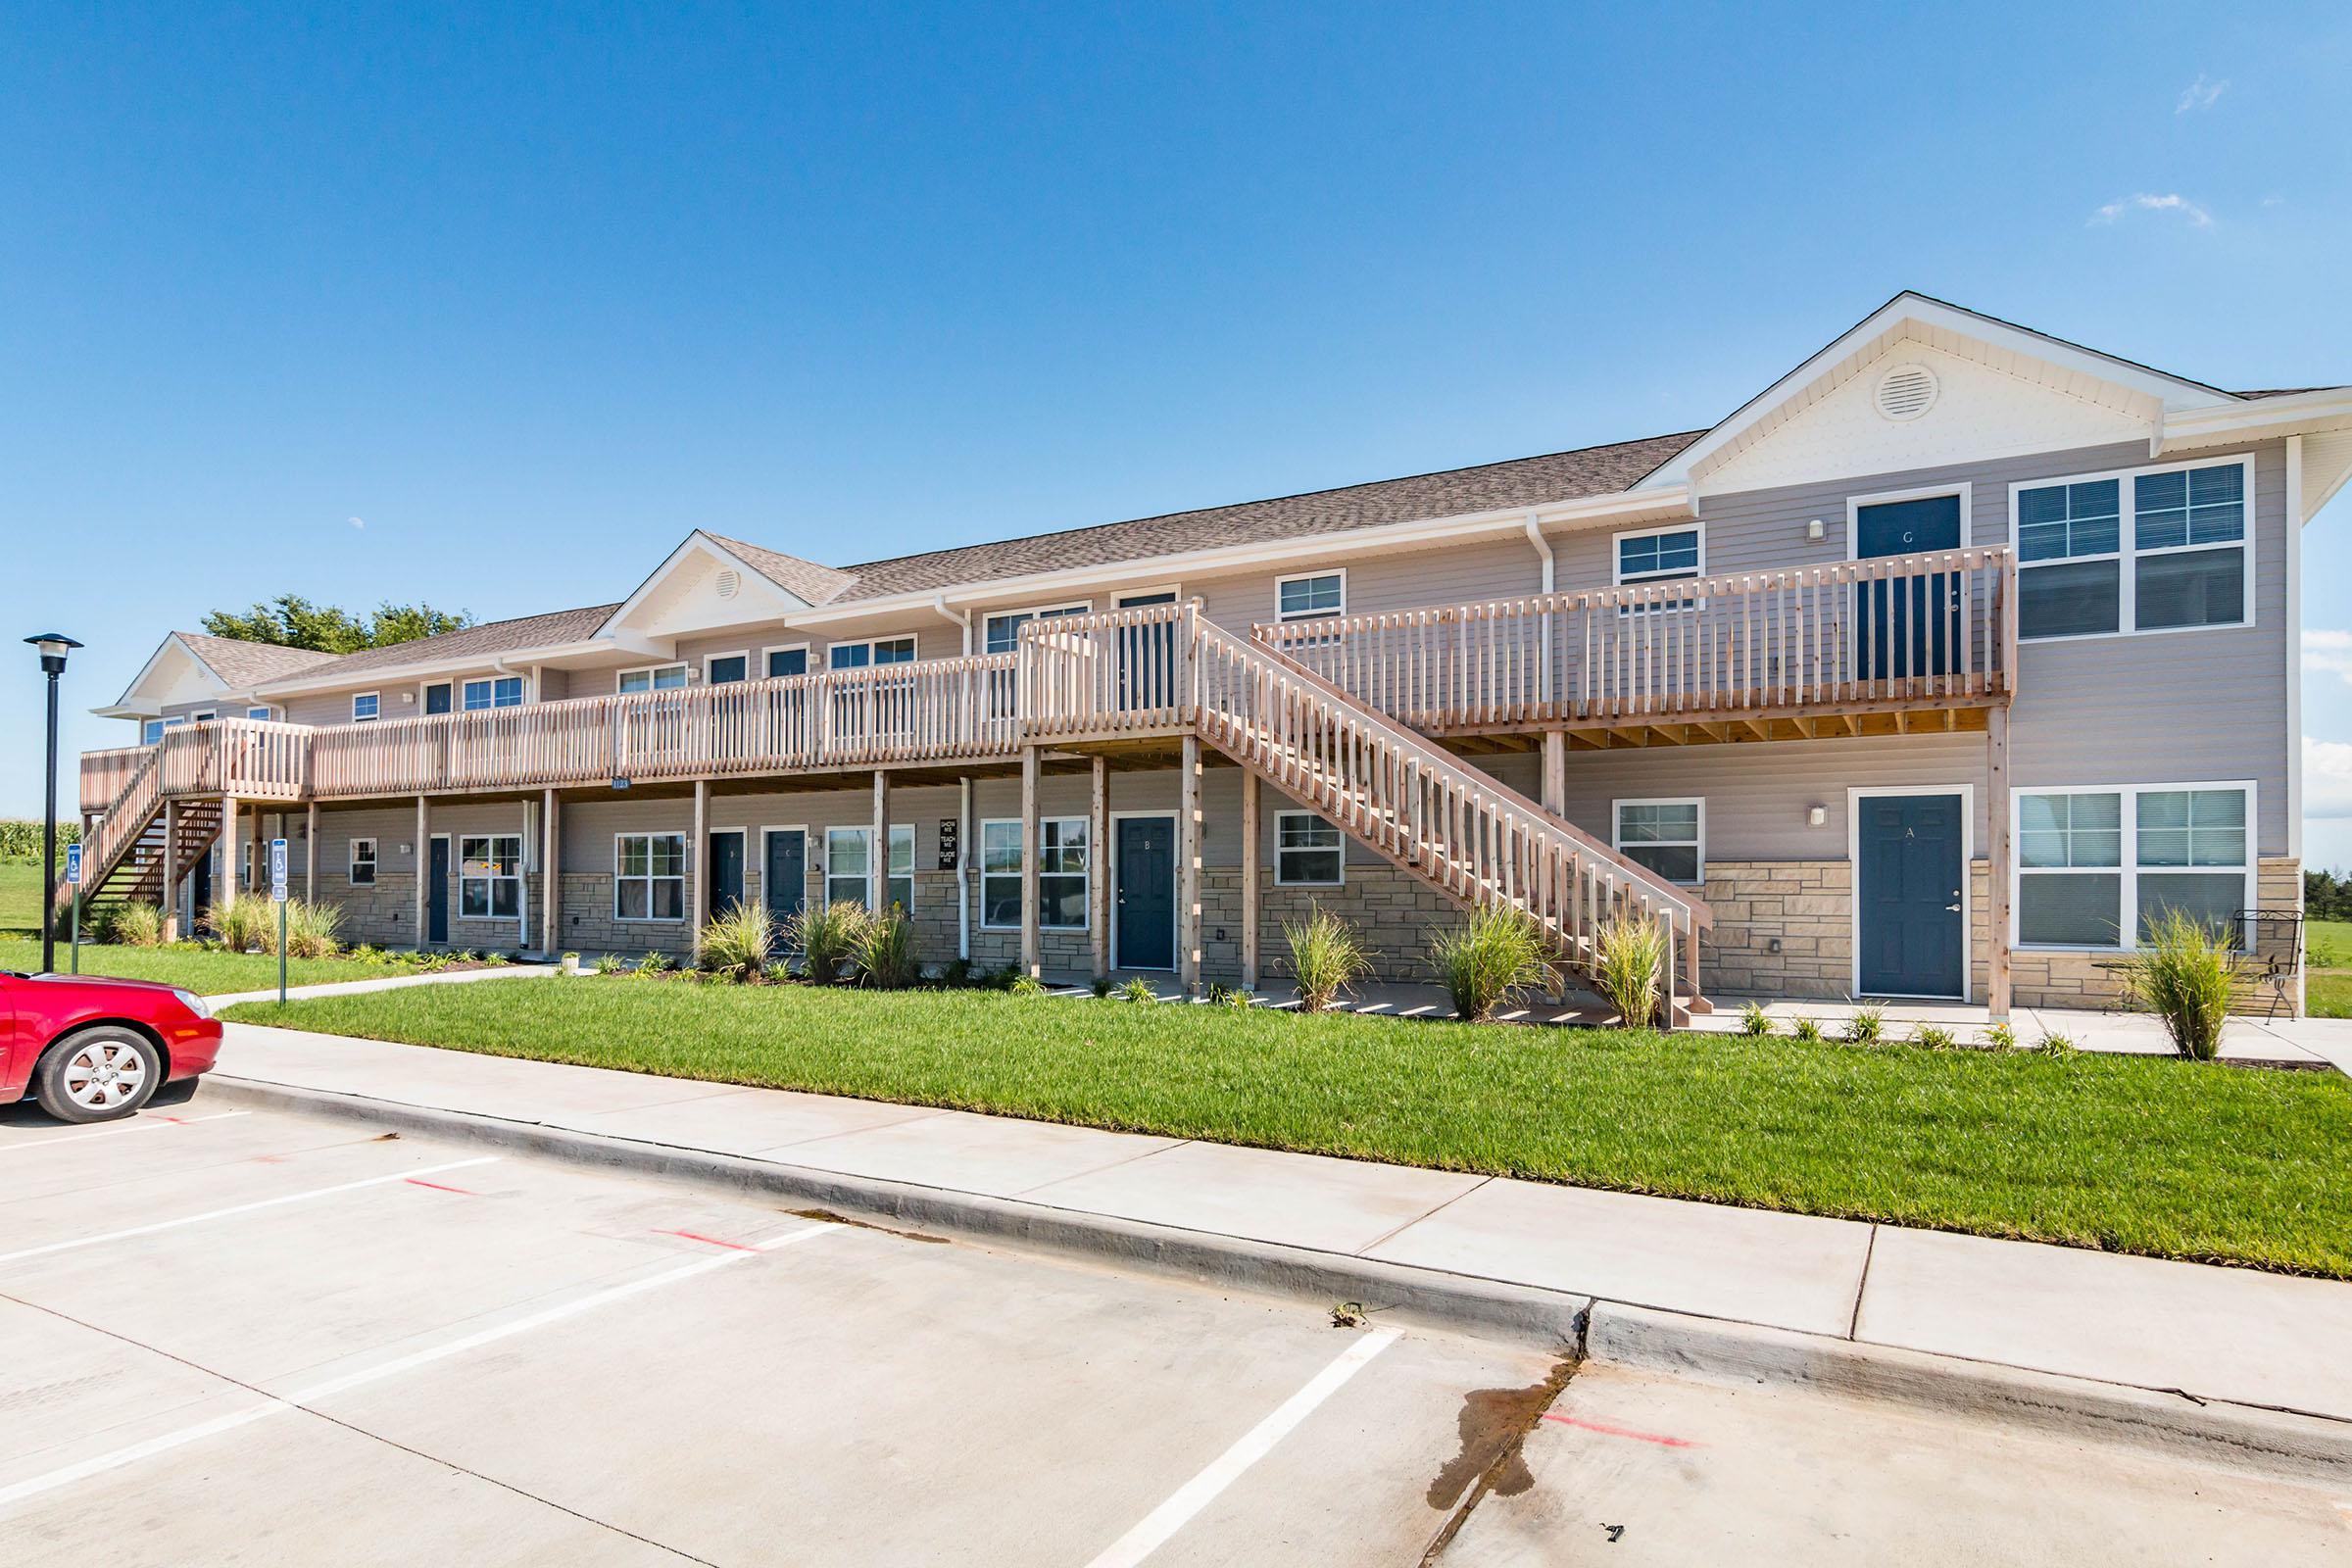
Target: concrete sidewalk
x,y
2219,1334
397,982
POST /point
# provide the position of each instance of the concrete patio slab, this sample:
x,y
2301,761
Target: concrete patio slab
x,y
747,1121
2217,1333
995,1156
1789,1271
1333,1206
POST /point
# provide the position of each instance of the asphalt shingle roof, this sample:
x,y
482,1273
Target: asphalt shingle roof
x,y
242,663
816,584
487,640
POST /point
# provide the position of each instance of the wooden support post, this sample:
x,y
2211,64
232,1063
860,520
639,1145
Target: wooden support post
x,y
425,860
309,854
551,872
226,884
1097,849
1998,853
172,868
698,872
1556,773
877,864
1187,870
1032,961
1250,874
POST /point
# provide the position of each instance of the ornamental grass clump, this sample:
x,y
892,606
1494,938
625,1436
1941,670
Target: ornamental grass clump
x,y
309,930
829,936
2183,972
885,959
1867,1027
132,925
738,942
1138,989
244,923
1628,968
1325,957
1497,958
1754,1021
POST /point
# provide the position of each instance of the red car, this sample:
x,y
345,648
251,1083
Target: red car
x,y
91,1049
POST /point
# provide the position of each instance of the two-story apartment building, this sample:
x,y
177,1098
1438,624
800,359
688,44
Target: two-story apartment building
x,y
1928,672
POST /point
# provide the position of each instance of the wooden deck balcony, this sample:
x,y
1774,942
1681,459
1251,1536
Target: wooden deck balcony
x,y
1880,646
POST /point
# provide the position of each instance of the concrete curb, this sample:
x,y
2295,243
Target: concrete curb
x,y
1524,1314
2207,1431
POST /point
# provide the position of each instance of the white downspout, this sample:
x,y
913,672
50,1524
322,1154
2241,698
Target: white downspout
x,y
1534,536
963,809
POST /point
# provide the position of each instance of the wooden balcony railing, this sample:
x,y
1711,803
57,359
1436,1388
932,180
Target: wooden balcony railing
x,y
1926,631
103,773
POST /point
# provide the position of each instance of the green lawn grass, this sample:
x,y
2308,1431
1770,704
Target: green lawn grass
x,y
201,971
2328,957
2172,1158
20,895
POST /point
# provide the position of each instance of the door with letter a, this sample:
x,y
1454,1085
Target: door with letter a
x,y
1910,874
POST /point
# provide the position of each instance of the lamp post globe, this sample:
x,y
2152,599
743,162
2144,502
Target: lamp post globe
x,y
53,646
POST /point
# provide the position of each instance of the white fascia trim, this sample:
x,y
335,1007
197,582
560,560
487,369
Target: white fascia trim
x,y
124,707
397,674
2221,424
1039,587
694,540
1908,307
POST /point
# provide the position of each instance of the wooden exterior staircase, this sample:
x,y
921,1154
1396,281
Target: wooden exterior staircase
x,y
1394,789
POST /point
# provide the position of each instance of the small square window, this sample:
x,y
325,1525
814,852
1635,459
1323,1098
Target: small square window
x,y
1310,598
1664,836
365,706
1307,852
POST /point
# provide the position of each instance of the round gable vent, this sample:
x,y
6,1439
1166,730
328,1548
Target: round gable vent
x,y
730,583
1906,392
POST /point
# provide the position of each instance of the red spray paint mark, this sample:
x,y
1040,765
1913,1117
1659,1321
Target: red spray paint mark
x,y
419,1181
1619,1431
710,1241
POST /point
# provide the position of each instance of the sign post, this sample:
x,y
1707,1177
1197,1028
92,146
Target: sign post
x,y
73,879
278,896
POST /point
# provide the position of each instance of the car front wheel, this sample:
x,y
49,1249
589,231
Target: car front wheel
x,y
97,1075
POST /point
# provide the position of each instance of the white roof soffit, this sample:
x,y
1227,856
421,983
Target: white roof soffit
x,y
2314,412
173,673
2144,394
701,586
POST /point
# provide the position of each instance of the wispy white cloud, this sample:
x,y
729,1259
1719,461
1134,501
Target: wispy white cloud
x,y
2327,778
357,523
2327,653
2202,93
2197,216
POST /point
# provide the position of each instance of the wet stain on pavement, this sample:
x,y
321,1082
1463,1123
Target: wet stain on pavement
x,y
1492,1426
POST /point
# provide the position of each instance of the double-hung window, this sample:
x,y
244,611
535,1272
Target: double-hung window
x,y
652,678
503,691
362,862
1001,634
1065,862
1669,837
2096,866
849,867
1306,851
1310,595
880,651
1658,555
2145,550
367,707
648,876
490,876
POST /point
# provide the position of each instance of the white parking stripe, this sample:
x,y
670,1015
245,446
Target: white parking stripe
x,y
1153,1532
155,1124
241,1208
278,1405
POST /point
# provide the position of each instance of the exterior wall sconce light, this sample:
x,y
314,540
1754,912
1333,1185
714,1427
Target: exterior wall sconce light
x,y
1815,529
1816,815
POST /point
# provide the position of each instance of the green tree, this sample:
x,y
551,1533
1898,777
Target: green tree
x,y
292,621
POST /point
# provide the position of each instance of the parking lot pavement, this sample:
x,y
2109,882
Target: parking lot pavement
x,y
1633,1468
262,1338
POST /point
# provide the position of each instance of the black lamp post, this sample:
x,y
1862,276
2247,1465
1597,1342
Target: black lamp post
x,y
54,646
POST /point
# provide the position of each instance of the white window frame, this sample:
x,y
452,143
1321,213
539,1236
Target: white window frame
x,y
1700,843
1283,881
2127,911
355,859
989,619
264,712
2126,553
685,869
651,672
1018,875
1126,599
869,644
1339,572
1644,579
522,694
807,667
151,730
744,653
490,883
865,884
357,717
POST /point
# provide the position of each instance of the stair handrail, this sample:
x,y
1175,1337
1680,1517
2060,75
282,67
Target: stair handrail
x,y
111,837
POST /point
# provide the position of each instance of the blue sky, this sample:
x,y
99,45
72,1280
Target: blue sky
x,y
490,306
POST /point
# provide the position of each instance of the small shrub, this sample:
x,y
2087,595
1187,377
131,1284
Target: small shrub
x,y
1867,1027
1101,986
1932,1037
609,964
885,959
244,924
1497,958
1807,1030
310,929
1325,956
829,936
1628,968
2183,974
2000,1036
1138,989
496,961
1754,1021
132,926
958,973
1026,985
654,962
738,942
